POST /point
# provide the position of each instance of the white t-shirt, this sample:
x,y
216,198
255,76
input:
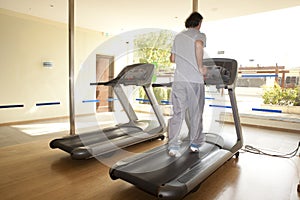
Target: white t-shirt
x,y
185,56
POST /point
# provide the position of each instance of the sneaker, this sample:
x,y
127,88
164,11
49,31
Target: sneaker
x,y
194,148
174,153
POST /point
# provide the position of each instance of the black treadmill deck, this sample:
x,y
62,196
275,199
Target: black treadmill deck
x,y
153,170
89,144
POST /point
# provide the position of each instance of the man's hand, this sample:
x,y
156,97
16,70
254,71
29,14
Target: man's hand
x,y
203,70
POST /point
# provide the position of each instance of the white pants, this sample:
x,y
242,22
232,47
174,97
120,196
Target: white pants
x,y
185,96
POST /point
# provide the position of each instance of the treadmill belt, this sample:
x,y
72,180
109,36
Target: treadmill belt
x,y
71,142
158,168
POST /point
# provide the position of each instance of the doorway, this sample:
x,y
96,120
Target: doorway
x,y
104,72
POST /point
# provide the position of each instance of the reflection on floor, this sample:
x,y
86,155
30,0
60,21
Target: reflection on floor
x,y
31,170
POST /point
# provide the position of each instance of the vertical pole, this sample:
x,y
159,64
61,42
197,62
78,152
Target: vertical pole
x,y
283,80
195,5
237,122
71,67
276,73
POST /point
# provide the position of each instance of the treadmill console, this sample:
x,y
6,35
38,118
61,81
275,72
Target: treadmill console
x,y
136,74
220,71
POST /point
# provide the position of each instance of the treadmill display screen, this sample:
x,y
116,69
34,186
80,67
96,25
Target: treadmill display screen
x,y
135,74
221,71
138,74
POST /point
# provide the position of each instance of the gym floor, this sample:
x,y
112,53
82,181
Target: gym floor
x,y
31,170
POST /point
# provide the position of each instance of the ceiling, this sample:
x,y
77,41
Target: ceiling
x,y
115,16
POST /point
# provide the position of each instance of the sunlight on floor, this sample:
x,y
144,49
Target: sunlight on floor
x,y
41,129
81,124
47,128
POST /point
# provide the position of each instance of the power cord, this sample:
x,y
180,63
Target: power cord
x,y
251,149
254,150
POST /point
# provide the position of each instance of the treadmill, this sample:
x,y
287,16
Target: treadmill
x,y
165,177
108,140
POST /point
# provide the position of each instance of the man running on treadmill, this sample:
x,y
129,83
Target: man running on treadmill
x,y
188,86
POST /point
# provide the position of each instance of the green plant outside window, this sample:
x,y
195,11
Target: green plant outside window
x,y
281,96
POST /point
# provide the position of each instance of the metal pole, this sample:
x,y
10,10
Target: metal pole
x,y
195,5
71,67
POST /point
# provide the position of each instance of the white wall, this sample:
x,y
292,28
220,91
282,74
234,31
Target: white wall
x,y
25,42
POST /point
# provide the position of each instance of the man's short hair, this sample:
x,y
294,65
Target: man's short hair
x,y
193,20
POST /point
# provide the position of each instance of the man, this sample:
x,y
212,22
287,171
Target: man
x,y
188,86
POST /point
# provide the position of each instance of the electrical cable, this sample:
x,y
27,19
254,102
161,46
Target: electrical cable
x,y
251,149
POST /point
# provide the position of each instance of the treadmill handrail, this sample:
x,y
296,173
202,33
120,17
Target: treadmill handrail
x,y
222,72
162,84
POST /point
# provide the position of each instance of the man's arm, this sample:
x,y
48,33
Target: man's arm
x,y
199,56
172,58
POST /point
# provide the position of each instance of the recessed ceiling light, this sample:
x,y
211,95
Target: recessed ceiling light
x,y
51,5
